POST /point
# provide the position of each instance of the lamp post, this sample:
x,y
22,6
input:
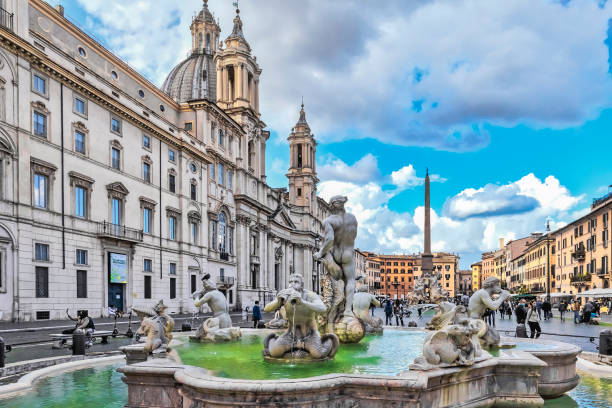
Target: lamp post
x,y
548,260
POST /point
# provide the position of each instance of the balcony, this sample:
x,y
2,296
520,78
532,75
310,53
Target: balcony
x,y
6,19
225,282
580,280
579,254
602,271
108,230
224,256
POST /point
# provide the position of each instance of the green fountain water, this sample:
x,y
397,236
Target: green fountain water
x,y
388,355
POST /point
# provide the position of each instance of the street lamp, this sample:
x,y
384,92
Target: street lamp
x,y
548,260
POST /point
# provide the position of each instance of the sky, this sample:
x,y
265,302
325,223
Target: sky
x,y
507,103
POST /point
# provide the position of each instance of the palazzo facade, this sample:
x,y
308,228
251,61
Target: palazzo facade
x,y
116,192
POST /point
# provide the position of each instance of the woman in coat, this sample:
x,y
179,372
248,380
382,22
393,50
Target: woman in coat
x,y
533,318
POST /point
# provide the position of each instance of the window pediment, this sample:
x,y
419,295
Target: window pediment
x,y
172,172
194,216
173,212
147,159
80,126
115,143
80,180
146,202
38,105
42,167
117,190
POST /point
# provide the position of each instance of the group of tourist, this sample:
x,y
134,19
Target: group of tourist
x,y
397,308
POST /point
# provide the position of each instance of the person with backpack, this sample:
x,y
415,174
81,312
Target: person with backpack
x,y
520,312
256,314
533,318
388,311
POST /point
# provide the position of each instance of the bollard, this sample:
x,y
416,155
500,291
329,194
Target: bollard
x,y
605,342
78,343
2,352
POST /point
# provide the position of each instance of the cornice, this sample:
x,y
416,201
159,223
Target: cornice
x,y
38,59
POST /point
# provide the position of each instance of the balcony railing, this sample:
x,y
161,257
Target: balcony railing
x,y
226,281
580,280
602,271
579,254
6,19
108,230
224,256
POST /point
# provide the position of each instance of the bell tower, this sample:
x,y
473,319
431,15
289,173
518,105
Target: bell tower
x,y
302,173
204,32
238,86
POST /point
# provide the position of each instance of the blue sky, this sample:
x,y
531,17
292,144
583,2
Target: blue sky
x,y
508,103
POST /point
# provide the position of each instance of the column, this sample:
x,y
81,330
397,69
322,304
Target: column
x,y
256,95
262,258
271,261
225,85
245,86
219,81
240,81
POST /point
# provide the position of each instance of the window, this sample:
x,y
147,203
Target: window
x,y
114,75
115,158
194,190
604,264
299,192
80,202
81,284
116,208
299,155
188,126
79,142
147,265
172,228
41,190
230,142
141,93
229,179
220,137
193,167
41,252
39,84
222,230
172,288
211,170
116,125
194,286
40,124
171,156
81,257
146,142
171,183
147,287
42,282
172,268
146,220
80,105
146,172
194,232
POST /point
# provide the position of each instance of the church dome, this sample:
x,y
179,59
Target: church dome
x,y
192,78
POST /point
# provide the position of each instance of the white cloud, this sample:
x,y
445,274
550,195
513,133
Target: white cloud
x,y
363,170
388,231
412,73
406,178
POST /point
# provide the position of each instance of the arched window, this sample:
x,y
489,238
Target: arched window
x,y
208,42
200,40
222,227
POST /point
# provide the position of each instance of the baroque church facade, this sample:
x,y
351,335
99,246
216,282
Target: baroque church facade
x,y
115,192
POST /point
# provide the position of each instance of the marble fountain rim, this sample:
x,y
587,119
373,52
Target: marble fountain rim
x,y
29,380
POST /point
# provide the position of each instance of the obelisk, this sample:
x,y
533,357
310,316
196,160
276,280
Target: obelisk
x,y
426,256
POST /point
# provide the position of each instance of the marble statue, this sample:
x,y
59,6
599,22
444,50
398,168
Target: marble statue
x,y
482,300
219,326
454,345
155,329
361,308
279,321
301,340
338,281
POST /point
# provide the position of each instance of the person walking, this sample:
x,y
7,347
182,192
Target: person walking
x,y
562,310
256,314
547,308
520,312
586,312
538,305
372,308
576,310
398,312
533,318
388,312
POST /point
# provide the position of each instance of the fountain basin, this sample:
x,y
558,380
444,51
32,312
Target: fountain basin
x,y
516,377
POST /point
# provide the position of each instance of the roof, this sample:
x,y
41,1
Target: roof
x,y
193,78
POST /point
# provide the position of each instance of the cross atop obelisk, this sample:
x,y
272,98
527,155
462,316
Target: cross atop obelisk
x,y
427,257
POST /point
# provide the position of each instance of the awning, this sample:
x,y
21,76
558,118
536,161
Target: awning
x,y
556,295
596,293
523,295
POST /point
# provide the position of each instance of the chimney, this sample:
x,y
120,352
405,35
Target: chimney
x,y
501,243
60,9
